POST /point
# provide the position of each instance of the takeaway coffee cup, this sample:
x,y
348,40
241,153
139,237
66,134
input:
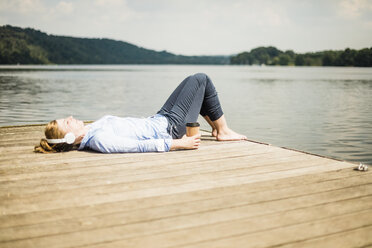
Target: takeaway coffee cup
x,y
192,128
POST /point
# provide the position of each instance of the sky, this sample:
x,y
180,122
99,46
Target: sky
x,y
202,27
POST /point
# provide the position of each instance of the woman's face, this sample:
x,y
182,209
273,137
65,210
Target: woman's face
x,y
70,124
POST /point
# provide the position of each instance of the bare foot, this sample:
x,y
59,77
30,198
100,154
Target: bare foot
x,y
214,132
228,135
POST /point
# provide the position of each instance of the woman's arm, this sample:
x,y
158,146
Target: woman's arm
x,y
110,143
185,142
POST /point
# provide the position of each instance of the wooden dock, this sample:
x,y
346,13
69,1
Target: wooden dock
x,y
226,194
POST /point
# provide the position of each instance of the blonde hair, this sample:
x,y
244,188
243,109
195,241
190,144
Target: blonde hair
x,y
52,131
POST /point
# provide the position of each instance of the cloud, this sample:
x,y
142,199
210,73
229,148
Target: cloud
x,y
103,14
22,6
103,3
352,9
64,8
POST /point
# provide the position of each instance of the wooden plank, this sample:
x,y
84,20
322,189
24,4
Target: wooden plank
x,y
157,201
122,174
138,165
16,149
18,130
165,178
147,189
190,207
358,237
184,229
289,192
138,168
293,233
248,234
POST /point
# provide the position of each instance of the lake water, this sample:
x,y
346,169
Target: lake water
x,y
322,110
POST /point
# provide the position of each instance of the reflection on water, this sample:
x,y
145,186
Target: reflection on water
x,y
317,109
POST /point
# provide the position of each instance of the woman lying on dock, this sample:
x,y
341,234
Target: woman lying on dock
x,y
162,132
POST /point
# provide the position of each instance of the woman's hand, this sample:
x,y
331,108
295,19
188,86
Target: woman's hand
x,y
185,142
192,142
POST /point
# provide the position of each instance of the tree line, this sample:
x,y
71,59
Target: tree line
x,y
273,56
30,46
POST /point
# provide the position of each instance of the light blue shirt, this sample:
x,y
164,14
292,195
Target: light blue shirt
x,y
112,134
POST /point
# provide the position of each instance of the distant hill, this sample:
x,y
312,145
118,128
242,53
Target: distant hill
x,y
273,56
30,46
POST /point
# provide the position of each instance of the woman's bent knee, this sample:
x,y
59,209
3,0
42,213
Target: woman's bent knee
x,y
200,78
